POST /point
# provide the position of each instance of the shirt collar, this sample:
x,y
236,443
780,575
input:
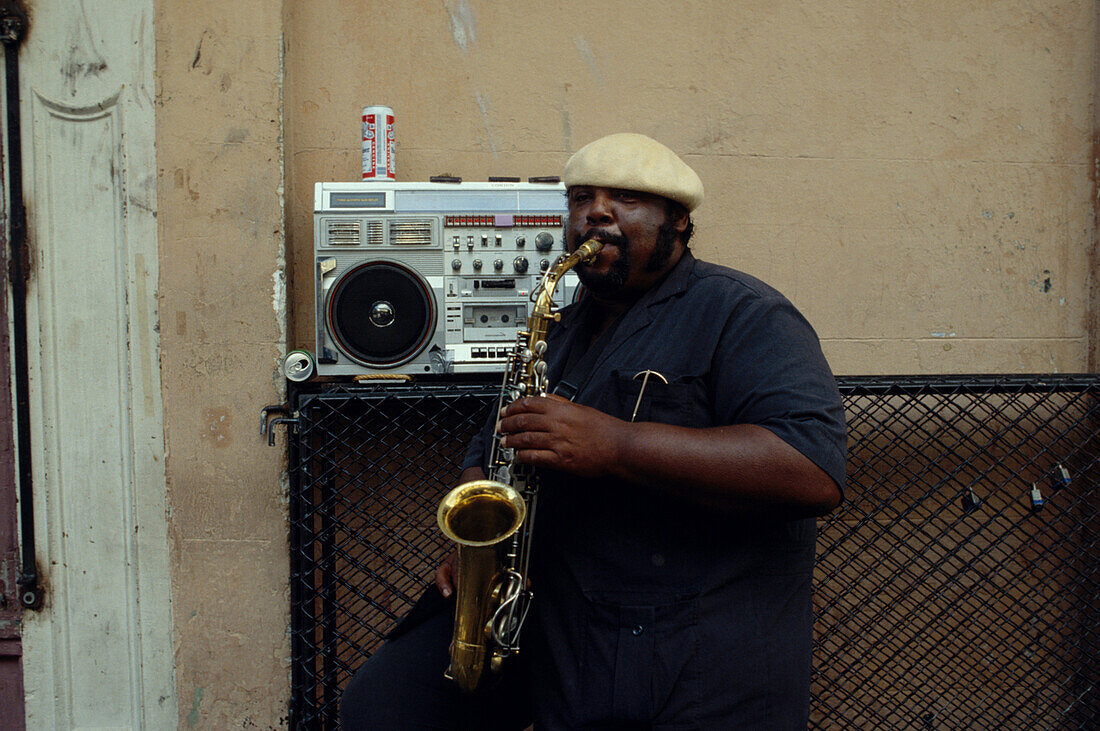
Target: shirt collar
x,y
673,284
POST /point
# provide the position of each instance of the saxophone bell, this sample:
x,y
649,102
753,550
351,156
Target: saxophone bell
x,y
479,516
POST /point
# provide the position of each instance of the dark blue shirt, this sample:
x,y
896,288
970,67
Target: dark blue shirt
x,y
648,608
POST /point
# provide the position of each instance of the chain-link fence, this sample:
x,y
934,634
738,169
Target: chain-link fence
x,y
957,587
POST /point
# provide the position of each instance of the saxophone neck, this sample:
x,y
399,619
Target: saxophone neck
x,y
544,301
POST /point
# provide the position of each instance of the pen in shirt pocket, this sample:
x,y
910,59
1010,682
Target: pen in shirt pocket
x,y
645,375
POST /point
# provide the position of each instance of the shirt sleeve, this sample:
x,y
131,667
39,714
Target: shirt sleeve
x,y
769,370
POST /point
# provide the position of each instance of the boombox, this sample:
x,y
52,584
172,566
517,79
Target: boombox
x,y
418,278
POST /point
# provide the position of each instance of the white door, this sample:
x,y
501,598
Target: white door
x,y
99,654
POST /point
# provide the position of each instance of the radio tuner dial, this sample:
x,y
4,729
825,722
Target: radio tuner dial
x,y
520,264
544,241
456,264
477,265
498,264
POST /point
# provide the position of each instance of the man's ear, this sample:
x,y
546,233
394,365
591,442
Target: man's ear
x,y
679,216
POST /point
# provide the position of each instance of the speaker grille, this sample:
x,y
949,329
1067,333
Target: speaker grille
x,y
374,233
343,233
381,314
411,233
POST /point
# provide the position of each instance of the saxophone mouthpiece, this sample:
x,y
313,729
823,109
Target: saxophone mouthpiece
x,y
589,249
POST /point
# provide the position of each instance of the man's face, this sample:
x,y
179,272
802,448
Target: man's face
x,y
641,240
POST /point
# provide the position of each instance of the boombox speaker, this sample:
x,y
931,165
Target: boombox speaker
x,y
381,313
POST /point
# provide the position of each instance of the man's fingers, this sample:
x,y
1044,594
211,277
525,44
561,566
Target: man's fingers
x,y
537,457
529,439
523,423
444,576
528,404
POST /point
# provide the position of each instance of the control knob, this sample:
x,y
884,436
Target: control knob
x,y
498,264
544,241
456,264
520,264
477,265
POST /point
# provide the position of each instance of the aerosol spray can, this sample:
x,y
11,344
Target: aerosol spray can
x,y
379,144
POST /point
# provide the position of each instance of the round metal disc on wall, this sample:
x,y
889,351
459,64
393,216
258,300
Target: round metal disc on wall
x,y
381,314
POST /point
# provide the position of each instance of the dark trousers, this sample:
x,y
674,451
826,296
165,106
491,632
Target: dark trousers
x,y
402,686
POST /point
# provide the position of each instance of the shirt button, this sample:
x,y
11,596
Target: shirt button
x,y
638,629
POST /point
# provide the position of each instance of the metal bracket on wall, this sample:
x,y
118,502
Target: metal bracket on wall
x,y
267,424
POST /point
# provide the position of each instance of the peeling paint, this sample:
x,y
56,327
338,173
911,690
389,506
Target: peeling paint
x,y
236,136
481,105
589,57
217,430
463,24
278,291
196,62
193,714
83,58
278,304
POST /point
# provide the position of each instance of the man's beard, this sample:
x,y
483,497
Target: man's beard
x,y
619,272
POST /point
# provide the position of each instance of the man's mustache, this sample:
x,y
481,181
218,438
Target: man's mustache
x,y
606,237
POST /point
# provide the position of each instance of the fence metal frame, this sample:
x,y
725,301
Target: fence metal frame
x,y
941,465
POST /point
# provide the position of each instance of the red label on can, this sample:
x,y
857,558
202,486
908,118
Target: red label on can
x,y
391,143
370,146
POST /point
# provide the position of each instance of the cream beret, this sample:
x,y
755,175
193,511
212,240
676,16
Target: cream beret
x,y
634,162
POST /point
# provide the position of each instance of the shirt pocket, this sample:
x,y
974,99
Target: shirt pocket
x,y
637,661
682,401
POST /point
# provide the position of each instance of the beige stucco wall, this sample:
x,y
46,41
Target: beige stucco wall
x,y
917,177
221,237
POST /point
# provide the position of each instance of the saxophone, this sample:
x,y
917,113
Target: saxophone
x,y
491,520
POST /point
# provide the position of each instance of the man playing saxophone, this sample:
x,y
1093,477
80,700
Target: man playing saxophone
x,y
692,434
